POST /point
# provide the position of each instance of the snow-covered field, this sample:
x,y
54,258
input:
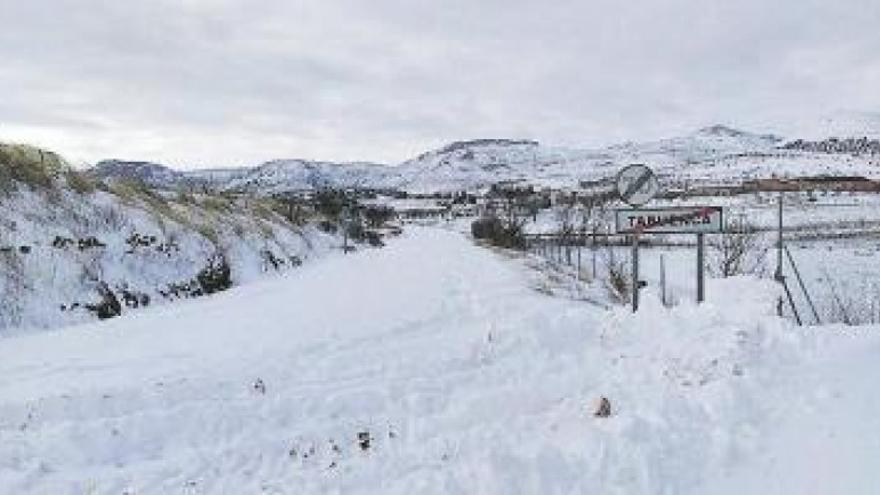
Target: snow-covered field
x,y
833,237
434,366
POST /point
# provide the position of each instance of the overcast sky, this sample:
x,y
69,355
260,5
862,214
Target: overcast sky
x,y
197,83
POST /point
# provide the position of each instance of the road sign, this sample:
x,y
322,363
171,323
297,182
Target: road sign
x,y
637,184
675,220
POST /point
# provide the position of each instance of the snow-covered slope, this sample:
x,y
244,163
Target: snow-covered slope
x,y
297,175
72,250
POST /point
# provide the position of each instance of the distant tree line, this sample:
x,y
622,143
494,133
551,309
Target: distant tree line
x,y
856,146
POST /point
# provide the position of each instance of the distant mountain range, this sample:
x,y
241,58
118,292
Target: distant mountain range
x,y
715,153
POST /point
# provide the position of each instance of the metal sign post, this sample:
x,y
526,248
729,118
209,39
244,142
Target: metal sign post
x,y
699,220
636,185
636,285
701,268
663,281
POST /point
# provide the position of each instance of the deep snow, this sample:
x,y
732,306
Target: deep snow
x,y
457,374
827,442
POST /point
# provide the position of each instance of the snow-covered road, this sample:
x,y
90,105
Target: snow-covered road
x,y
429,366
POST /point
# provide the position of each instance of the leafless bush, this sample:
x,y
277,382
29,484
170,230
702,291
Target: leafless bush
x,y
110,217
618,282
851,302
740,250
565,219
506,234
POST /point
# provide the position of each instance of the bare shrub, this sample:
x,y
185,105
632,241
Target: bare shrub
x,y
739,250
331,203
499,233
110,217
377,216
848,301
618,282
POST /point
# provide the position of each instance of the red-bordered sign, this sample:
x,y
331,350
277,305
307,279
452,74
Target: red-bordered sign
x,y
673,220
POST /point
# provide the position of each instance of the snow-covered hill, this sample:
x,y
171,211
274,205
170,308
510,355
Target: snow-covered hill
x,y
705,144
150,174
716,153
276,176
469,165
296,175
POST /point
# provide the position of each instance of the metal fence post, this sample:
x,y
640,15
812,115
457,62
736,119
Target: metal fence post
x,y
579,260
593,249
778,276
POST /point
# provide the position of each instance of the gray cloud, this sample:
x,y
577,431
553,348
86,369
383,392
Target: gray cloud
x,y
199,83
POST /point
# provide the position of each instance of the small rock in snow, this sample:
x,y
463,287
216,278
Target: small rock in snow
x,y
603,410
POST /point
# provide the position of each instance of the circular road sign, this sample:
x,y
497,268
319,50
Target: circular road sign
x,y
637,184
